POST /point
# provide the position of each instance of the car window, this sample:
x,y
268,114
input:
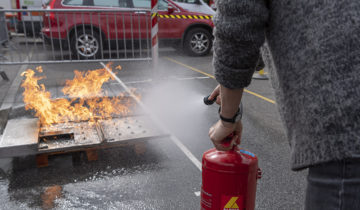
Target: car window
x,y
107,3
46,2
186,1
99,3
142,3
162,4
73,2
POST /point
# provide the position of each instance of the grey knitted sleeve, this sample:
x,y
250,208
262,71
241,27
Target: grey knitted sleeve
x,y
239,33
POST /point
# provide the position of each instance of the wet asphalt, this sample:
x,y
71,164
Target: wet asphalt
x,y
155,173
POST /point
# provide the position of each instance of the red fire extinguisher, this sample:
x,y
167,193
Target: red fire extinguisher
x,y
229,179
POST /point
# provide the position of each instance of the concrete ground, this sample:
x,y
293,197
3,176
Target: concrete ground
x,y
157,173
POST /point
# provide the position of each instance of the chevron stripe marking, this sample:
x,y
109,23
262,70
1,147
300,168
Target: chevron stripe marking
x,y
183,16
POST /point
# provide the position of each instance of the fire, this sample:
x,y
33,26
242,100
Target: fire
x,y
86,100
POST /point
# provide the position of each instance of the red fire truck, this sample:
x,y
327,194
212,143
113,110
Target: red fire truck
x,y
185,24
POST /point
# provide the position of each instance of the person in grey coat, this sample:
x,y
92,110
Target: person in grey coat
x,y
314,61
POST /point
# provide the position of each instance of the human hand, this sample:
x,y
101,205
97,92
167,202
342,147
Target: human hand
x,y
220,130
215,94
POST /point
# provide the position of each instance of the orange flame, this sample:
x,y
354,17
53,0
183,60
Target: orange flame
x,y
87,100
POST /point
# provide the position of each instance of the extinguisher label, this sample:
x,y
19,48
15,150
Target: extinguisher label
x,y
247,152
231,202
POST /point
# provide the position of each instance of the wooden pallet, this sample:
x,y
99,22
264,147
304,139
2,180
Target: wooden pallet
x,y
42,160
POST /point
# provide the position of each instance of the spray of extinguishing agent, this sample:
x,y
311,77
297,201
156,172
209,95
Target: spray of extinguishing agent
x,y
229,177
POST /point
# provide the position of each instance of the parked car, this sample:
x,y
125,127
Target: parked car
x,y
188,25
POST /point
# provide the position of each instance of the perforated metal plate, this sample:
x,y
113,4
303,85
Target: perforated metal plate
x,y
128,128
24,137
84,134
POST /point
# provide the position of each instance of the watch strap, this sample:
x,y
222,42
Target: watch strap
x,y
229,120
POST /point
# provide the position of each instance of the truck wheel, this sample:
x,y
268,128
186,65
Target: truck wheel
x,y
86,44
198,42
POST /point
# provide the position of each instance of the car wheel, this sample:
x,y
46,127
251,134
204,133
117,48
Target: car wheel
x,y
86,44
198,42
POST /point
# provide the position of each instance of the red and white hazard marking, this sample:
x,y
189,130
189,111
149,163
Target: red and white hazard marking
x,y
154,32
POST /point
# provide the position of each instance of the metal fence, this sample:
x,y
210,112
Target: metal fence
x,y
69,35
3,29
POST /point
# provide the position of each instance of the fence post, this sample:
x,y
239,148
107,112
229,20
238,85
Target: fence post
x,y
154,35
3,39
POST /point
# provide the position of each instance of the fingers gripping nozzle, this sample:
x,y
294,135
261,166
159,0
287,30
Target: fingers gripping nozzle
x,y
207,101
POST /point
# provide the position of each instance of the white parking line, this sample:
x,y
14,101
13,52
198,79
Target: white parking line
x,y
133,82
150,80
177,142
138,82
192,78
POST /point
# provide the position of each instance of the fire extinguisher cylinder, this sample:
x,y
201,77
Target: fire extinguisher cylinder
x,y
229,178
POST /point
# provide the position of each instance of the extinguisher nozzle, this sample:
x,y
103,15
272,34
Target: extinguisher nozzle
x,y
207,101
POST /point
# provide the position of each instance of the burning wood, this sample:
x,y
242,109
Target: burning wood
x,y
87,100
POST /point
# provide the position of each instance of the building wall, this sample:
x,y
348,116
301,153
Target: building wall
x,y
7,4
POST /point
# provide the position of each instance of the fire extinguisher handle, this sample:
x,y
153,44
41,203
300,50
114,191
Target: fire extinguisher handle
x,y
227,141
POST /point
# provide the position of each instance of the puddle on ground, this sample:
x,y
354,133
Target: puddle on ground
x,y
82,185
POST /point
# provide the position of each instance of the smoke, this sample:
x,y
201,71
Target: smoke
x,y
178,104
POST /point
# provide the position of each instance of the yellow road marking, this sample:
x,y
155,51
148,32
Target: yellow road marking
x,y
260,96
190,67
212,76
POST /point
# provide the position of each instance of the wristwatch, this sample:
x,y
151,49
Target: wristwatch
x,y
237,117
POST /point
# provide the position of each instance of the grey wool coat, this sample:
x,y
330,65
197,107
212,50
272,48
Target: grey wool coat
x,y
315,66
